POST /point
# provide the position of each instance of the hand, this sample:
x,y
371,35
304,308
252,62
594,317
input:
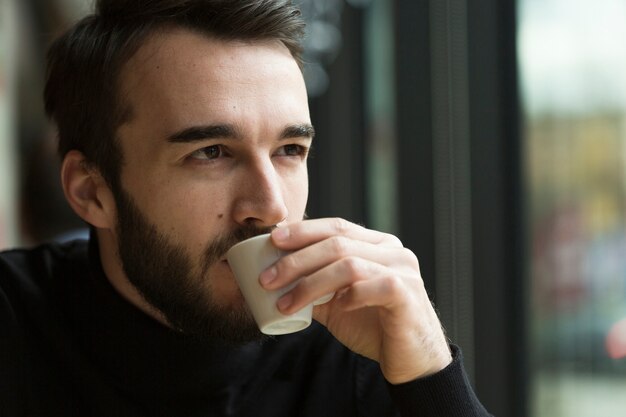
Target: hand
x,y
380,310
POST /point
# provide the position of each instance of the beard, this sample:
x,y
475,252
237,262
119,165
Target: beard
x,y
164,274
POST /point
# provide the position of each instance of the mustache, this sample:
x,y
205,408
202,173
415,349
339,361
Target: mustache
x,y
218,248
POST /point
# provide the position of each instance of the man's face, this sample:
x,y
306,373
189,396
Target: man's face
x,y
215,151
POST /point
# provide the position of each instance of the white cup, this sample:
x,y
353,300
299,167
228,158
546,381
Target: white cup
x,y
247,260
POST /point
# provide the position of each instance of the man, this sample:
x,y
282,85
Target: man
x,y
184,128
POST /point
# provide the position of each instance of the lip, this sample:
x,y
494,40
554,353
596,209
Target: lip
x,y
225,266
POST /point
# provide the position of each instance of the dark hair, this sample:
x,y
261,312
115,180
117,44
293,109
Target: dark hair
x,y
84,64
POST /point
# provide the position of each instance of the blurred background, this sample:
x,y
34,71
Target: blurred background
x,y
489,135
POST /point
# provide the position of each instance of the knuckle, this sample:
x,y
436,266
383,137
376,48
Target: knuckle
x,y
393,285
410,257
392,240
340,225
396,241
287,263
352,266
340,245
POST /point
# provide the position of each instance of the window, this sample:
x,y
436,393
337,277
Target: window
x,y
8,209
572,64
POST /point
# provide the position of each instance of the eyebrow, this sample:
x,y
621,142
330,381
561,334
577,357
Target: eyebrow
x,y
227,131
198,133
298,131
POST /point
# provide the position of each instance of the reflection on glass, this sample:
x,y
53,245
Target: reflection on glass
x,y
573,79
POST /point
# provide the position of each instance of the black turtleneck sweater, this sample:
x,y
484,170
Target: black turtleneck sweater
x,y
70,345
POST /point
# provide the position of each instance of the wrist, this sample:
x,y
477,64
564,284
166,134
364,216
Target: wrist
x,y
436,362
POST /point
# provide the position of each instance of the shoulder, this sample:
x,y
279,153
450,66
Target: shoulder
x,y
40,261
27,275
28,288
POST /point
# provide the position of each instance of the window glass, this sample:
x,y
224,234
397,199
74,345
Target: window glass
x,y
573,82
380,116
8,180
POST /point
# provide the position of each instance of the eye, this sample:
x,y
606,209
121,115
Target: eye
x,y
293,149
208,153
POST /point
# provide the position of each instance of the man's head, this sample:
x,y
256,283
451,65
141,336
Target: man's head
x,y
191,140
82,91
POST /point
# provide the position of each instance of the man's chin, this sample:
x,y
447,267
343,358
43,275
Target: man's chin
x,y
232,325
236,335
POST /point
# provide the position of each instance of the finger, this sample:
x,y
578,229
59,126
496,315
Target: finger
x,y
300,234
311,258
388,290
335,277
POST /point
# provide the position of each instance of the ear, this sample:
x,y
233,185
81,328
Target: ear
x,y
87,192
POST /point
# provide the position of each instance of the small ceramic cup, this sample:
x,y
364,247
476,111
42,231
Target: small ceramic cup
x,y
247,260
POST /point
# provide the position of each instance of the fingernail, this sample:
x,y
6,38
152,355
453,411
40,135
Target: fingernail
x,y
268,276
281,234
285,302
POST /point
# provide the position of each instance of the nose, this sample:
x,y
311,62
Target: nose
x,y
260,200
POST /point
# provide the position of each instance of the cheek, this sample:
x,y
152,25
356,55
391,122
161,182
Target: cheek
x,y
191,215
199,212
296,196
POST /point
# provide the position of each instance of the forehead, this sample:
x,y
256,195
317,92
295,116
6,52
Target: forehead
x,y
179,70
175,48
